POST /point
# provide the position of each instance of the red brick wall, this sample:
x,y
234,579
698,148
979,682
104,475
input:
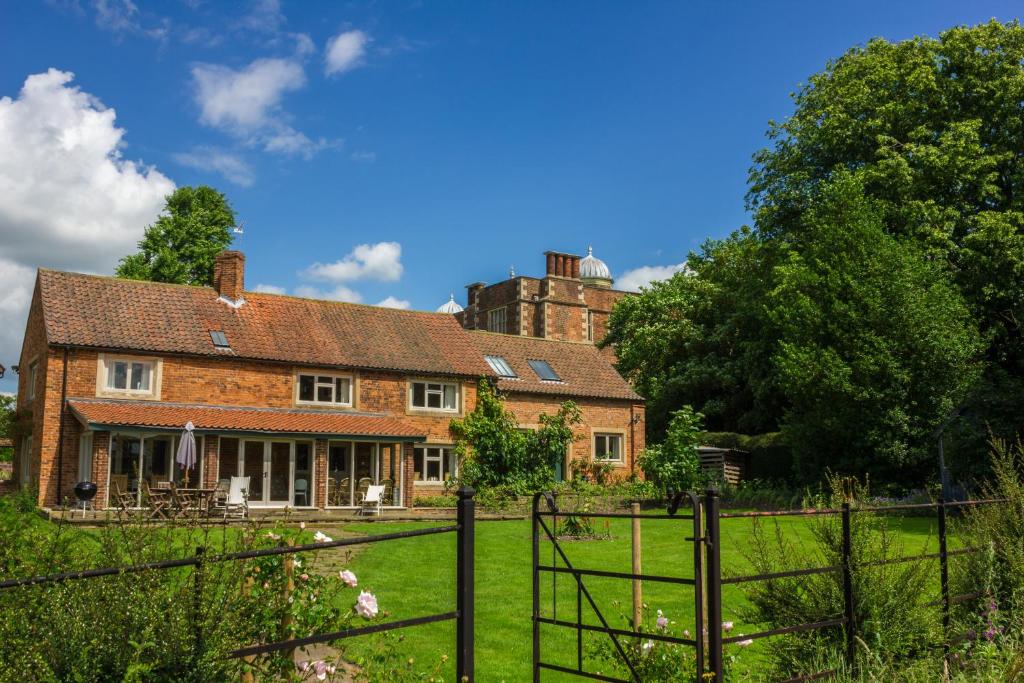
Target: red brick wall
x,y
598,415
44,433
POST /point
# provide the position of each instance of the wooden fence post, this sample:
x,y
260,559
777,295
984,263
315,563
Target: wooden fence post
x,y
286,620
247,675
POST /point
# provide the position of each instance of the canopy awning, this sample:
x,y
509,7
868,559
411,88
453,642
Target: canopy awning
x,y
111,413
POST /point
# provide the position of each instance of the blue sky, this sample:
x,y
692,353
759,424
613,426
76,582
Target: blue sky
x,y
454,140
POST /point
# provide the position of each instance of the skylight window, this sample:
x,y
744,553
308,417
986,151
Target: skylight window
x,y
220,340
544,370
501,366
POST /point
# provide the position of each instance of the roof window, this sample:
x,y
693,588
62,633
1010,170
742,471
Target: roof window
x,y
501,366
220,340
544,370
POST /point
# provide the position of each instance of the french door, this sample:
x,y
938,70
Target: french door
x,y
269,466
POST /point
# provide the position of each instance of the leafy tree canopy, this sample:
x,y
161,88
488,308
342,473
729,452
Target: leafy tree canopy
x,y
181,245
879,296
674,466
7,404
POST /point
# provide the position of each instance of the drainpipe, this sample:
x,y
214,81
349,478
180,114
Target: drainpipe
x,y
632,441
60,433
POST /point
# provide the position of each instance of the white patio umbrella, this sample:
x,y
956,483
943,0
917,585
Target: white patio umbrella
x,y
187,450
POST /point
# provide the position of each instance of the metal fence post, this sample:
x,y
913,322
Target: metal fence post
x,y
848,611
714,586
700,600
944,575
465,514
535,530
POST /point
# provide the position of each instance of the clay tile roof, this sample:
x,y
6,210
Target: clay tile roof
x,y
582,368
111,313
173,416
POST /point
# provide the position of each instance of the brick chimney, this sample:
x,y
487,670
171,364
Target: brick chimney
x,y
229,276
562,265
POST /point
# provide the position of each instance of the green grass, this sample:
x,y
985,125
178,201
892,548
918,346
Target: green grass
x,y
413,577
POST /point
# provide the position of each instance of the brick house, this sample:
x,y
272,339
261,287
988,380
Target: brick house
x,y
571,302
305,397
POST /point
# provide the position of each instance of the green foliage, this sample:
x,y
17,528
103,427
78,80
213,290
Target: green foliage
x,y
931,130
674,466
494,452
435,501
181,245
999,530
160,625
875,344
771,458
889,599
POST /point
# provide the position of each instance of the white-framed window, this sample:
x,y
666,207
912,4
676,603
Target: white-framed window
x,y
434,396
323,389
30,380
434,463
608,447
85,457
496,320
129,376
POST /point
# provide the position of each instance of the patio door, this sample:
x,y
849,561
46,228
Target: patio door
x,y
268,464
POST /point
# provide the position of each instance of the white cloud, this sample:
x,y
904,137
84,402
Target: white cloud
x,y
122,17
338,293
248,99
246,103
270,289
229,165
633,280
265,17
394,302
381,261
345,52
67,197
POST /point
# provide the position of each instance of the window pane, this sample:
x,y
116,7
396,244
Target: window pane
x,y
324,380
433,400
614,447
140,377
544,370
341,391
417,464
433,470
325,394
120,375
305,387
419,395
600,447
449,396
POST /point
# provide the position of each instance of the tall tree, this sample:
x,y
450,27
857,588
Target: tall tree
x,y
934,130
875,344
181,245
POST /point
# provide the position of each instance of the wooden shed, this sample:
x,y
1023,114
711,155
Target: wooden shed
x,y
729,465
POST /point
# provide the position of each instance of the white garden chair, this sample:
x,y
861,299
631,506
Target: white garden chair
x,y
372,500
237,502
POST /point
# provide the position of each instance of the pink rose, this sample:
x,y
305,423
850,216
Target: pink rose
x,y
662,621
348,578
366,605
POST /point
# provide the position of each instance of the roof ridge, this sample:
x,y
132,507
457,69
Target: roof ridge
x,y
116,278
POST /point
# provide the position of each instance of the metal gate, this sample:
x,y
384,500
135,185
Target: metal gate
x,y
545,532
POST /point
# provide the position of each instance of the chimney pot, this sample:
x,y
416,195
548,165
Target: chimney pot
x,y
551,263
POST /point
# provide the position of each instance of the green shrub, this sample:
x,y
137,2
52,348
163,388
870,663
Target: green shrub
x,y
888,599
445,501
494,452
158,625
673,465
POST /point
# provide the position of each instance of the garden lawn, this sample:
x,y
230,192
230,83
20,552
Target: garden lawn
x,y
413,577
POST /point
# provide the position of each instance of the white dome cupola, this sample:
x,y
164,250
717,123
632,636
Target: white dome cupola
x,y
450,306
594,271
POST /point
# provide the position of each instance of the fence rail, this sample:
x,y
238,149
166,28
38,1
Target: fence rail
x,y
463,614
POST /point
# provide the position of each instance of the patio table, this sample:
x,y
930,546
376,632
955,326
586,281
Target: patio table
x,y
192,500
